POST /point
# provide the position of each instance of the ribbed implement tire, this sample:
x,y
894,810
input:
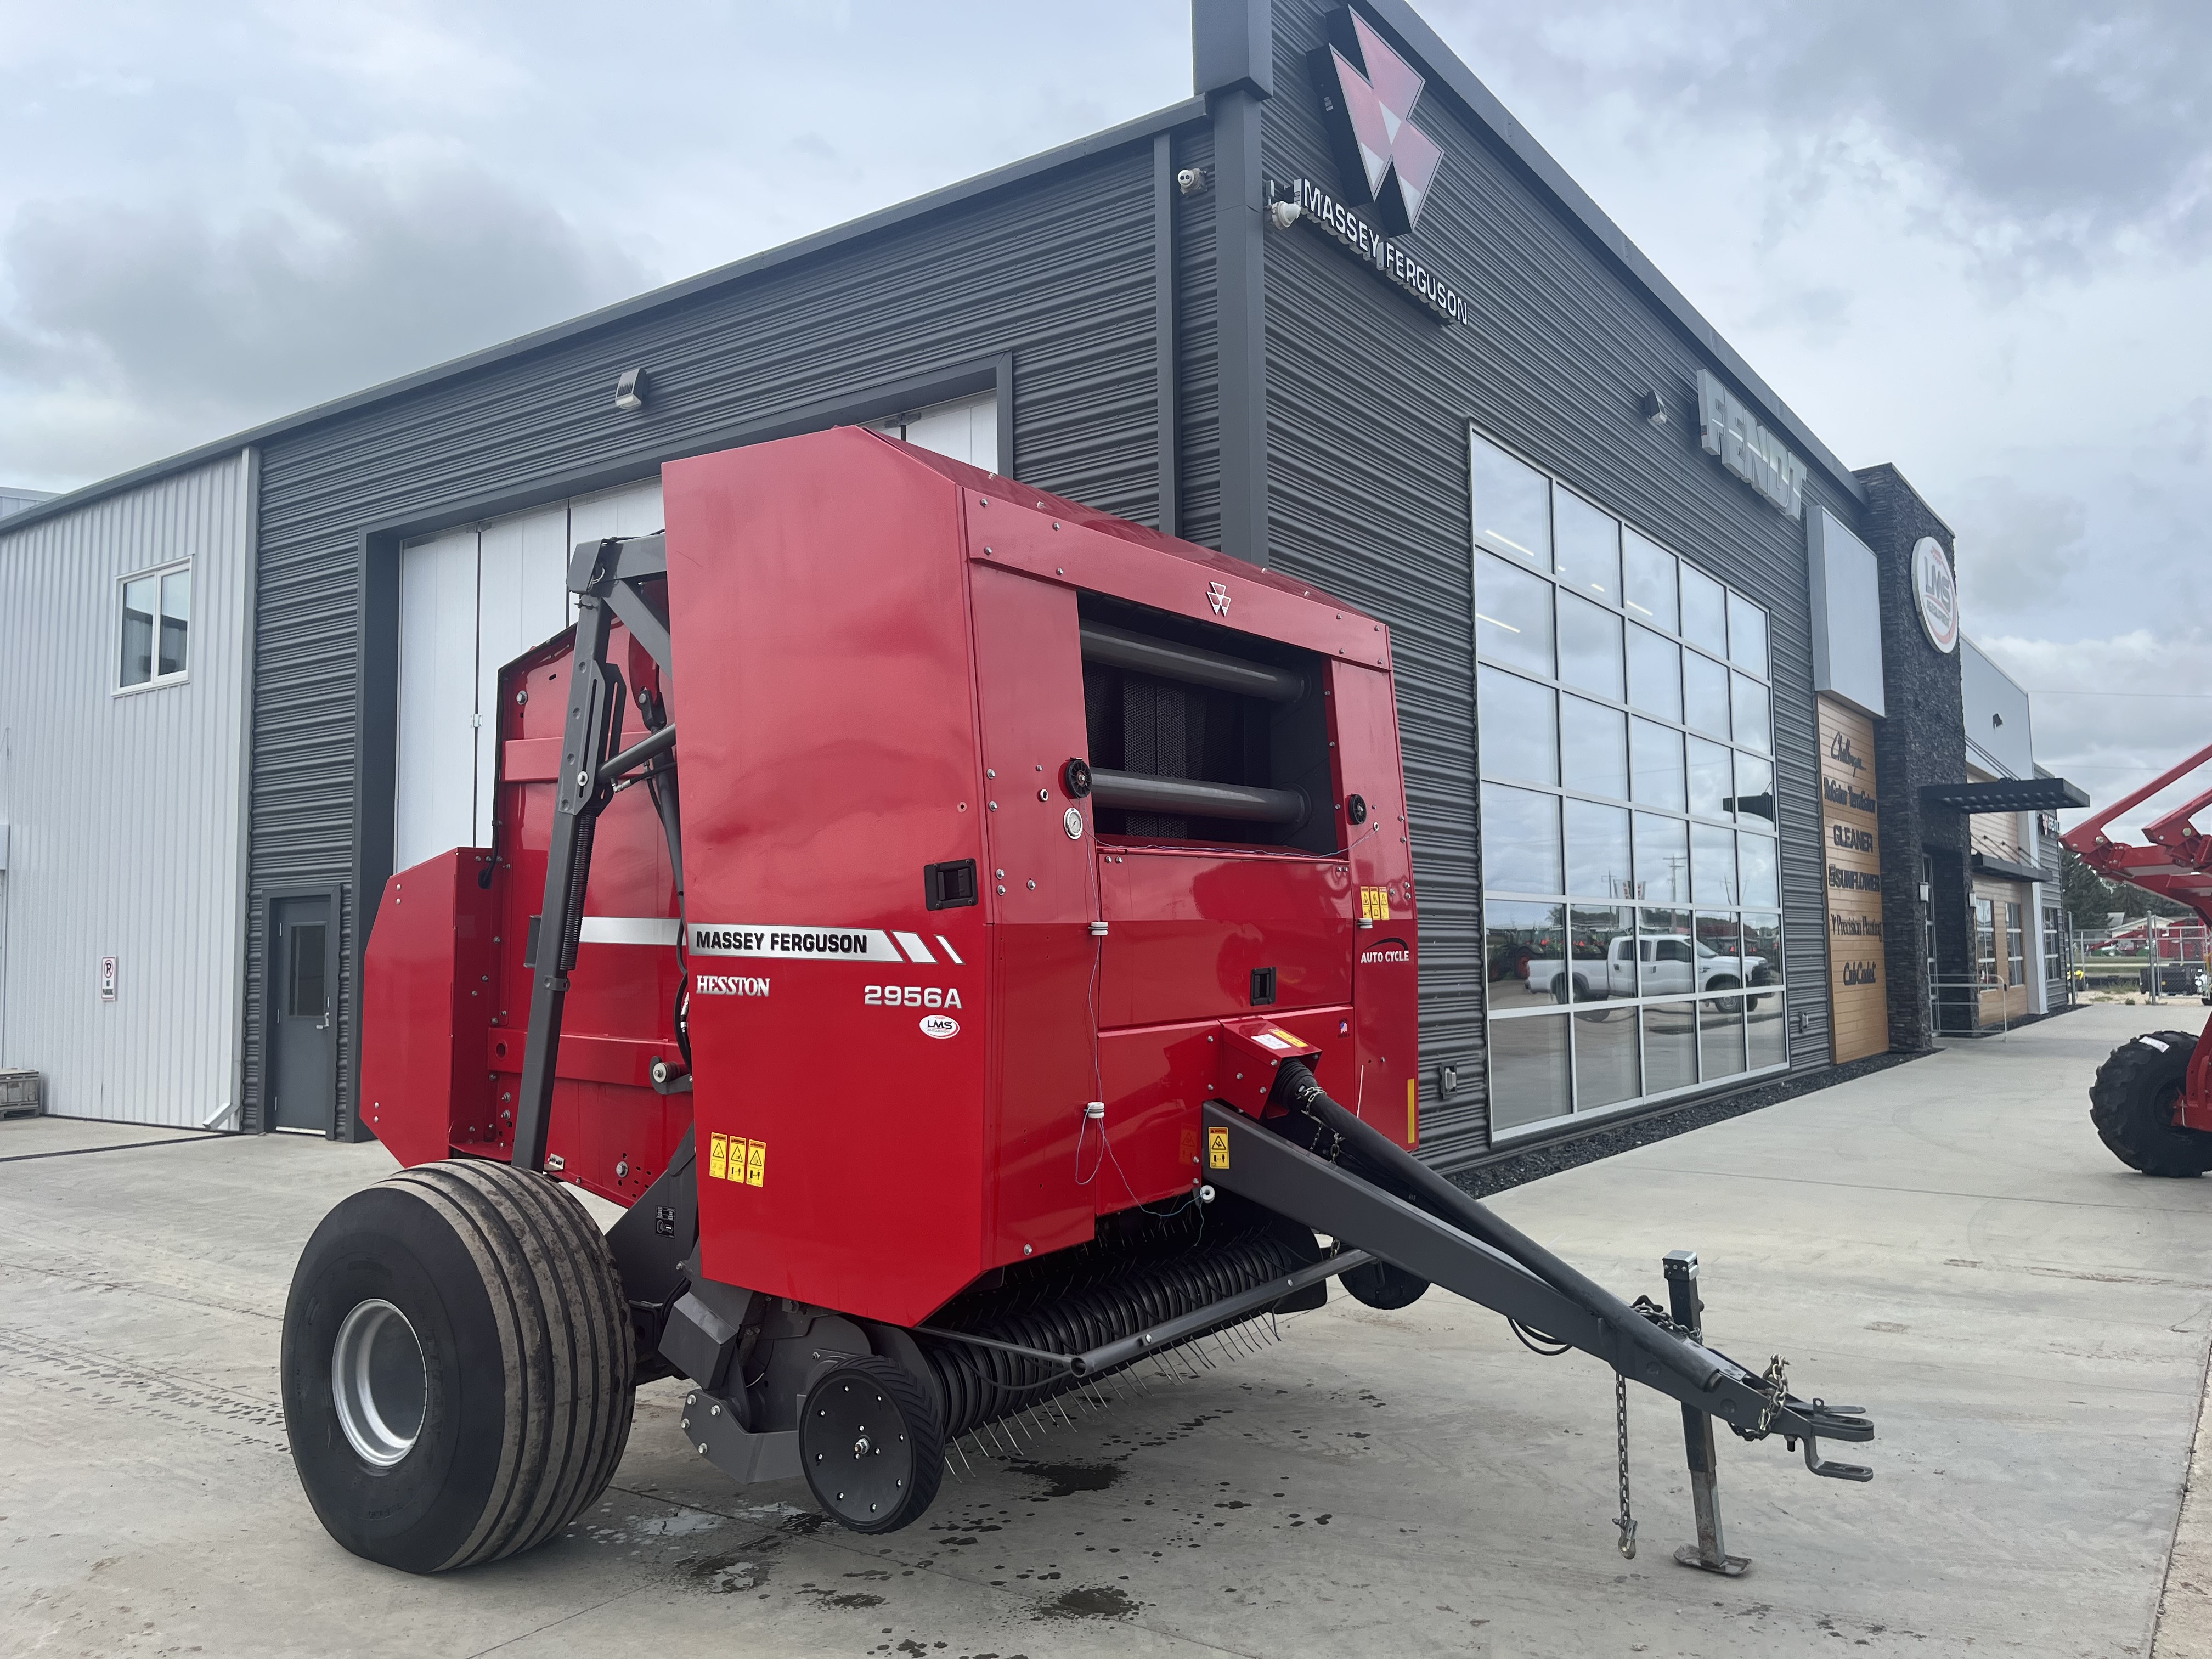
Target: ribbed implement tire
x,y
527,1360
2132,1103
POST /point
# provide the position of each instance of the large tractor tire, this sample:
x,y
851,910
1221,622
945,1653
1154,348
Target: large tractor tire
x,y
2132,1103
458,1366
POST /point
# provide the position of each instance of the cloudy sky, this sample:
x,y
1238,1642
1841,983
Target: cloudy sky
x,y
1971,238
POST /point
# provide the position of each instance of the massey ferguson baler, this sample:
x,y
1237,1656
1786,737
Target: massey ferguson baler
x,y
974,938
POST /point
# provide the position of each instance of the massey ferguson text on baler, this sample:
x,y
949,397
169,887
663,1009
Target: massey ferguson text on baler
x,y
974,937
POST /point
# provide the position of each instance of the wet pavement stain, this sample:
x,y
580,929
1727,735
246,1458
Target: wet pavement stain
x,y
724,1575
1066,1480
1092,1601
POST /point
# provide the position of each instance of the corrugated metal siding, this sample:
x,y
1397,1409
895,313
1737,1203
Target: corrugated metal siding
x,y
1058,271
1369,403
124,811
1198,396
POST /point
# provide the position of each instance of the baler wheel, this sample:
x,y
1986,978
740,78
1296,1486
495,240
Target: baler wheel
x,y
1379,1285
2132,1103
457,1366
870,1445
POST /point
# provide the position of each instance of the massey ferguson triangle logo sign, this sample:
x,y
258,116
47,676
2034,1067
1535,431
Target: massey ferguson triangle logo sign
x,y
1368,94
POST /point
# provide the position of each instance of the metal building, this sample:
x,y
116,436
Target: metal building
x,y
1336,314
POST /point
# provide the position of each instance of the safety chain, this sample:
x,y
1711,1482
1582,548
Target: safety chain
x,y
1776,1382
1627,1520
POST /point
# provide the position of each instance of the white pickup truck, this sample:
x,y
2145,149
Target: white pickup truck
x,y
1675,965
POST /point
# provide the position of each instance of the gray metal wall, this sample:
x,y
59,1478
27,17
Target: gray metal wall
x,y
1057,270
124,810
1369,404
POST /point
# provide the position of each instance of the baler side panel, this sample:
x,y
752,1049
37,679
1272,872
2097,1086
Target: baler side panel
x,y
827,749
1041,893
425,1013
1386,975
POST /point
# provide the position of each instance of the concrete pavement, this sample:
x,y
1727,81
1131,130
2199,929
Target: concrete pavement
x,y
1944,1241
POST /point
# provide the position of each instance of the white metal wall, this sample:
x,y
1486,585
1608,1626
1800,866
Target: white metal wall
x,y
125,811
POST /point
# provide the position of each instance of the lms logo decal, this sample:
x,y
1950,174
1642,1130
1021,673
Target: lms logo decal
x,y
939,1025
1367,97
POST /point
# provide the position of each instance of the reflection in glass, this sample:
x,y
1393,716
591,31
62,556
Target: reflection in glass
x,y
1704,611
1746,634
1670,1046
1606,1068
1755,784
1520,738
1511,507
1762,947
138,601
1720,1037
1586,547
1712,865
1665,955
176,620
1753,724
1761,881
1655,674
1648,576
1520,841
1514,935
1597,850
1604,959
1769,1033
1513,616
1711,784
1720,953
1663,858
1704,694
1589,646
1655,765
1594,748
1528,1070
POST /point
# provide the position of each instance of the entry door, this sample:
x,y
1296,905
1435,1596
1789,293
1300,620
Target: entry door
x,y
301,998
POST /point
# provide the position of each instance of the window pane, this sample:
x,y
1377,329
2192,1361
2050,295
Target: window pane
x,y
1720,1037
1711,779
1755,784
1587,548
1647,575
1712,865
1753,726
1515,936
1605,952
1670,1046
1520,841
1756,869
1986,941
1769,1032
1594,747
1662,859
1746,634
1512,512
176,619
1513,616
1720,952
1654,764
1606,1068
1597,851
304,993
1518,727
1704,611
1762,947
1655,674
1704,694
1528,1070
138,603
1590,648
1666,961
2015,947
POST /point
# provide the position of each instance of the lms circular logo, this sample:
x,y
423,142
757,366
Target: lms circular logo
x,y
1937,593
939,1025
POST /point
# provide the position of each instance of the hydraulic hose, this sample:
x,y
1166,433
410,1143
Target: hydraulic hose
x,y
1297,1089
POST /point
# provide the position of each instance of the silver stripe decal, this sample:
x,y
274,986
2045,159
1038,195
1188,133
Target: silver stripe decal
x,y
950,951
914,949
628,930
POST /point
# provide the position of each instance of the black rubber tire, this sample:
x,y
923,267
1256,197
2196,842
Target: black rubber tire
x,y
1723,982
2132,1102
904,1486
1379,1285
528,1360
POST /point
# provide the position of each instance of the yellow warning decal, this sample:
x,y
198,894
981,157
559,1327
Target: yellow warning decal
x,y
1413,1111
755,1163
1374,903
1217,1149
1189,1151
718,1155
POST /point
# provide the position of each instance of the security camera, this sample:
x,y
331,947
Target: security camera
x,y
1285,214
1191,180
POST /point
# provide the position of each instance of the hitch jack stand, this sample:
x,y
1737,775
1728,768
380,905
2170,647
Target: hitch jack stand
x,y
1710,1554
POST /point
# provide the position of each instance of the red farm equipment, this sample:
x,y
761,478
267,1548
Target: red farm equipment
x,y
1024,976
2152,1101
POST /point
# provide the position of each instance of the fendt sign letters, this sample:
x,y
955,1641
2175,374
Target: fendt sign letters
x,y
1727,428
1387,164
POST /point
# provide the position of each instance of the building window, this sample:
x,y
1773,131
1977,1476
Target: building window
x,y
2015,947
157,625
2054,947
1986,941
1630,876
